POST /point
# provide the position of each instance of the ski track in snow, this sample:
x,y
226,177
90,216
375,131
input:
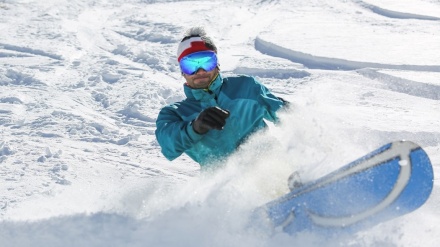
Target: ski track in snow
x,y
317,62
82,83
396,14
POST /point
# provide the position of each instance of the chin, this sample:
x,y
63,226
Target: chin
x,y
202,84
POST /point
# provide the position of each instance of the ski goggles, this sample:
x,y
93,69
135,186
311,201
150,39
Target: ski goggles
x,y
206,60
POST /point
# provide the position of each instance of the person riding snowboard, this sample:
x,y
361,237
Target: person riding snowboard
x,y
219,113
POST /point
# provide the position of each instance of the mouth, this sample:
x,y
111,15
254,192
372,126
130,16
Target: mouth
x,y
200,77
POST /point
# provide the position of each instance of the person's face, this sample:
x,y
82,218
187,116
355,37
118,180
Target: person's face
x,y
201,79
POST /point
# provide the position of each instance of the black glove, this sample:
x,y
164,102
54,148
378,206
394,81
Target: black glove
x,y
210,118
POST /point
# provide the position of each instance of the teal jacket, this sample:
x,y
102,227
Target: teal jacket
x,y
247,100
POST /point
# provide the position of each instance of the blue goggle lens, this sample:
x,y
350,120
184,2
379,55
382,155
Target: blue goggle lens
x,y
206,60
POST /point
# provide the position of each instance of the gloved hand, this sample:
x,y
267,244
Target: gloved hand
x,y
210,118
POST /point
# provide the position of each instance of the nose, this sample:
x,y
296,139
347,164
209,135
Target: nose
x,y
200,71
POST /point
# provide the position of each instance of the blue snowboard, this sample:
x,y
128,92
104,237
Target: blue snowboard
x,y
389,182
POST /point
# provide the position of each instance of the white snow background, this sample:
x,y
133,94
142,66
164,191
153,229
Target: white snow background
x,y
82,82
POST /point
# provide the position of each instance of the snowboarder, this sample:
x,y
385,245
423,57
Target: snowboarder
x,y
218,113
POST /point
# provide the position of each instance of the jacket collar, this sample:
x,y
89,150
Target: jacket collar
x,y
204,94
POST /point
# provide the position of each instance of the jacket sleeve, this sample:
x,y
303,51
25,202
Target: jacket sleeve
x,y
271,102
174,134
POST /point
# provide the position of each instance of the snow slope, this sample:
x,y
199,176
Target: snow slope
x,y
81,83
